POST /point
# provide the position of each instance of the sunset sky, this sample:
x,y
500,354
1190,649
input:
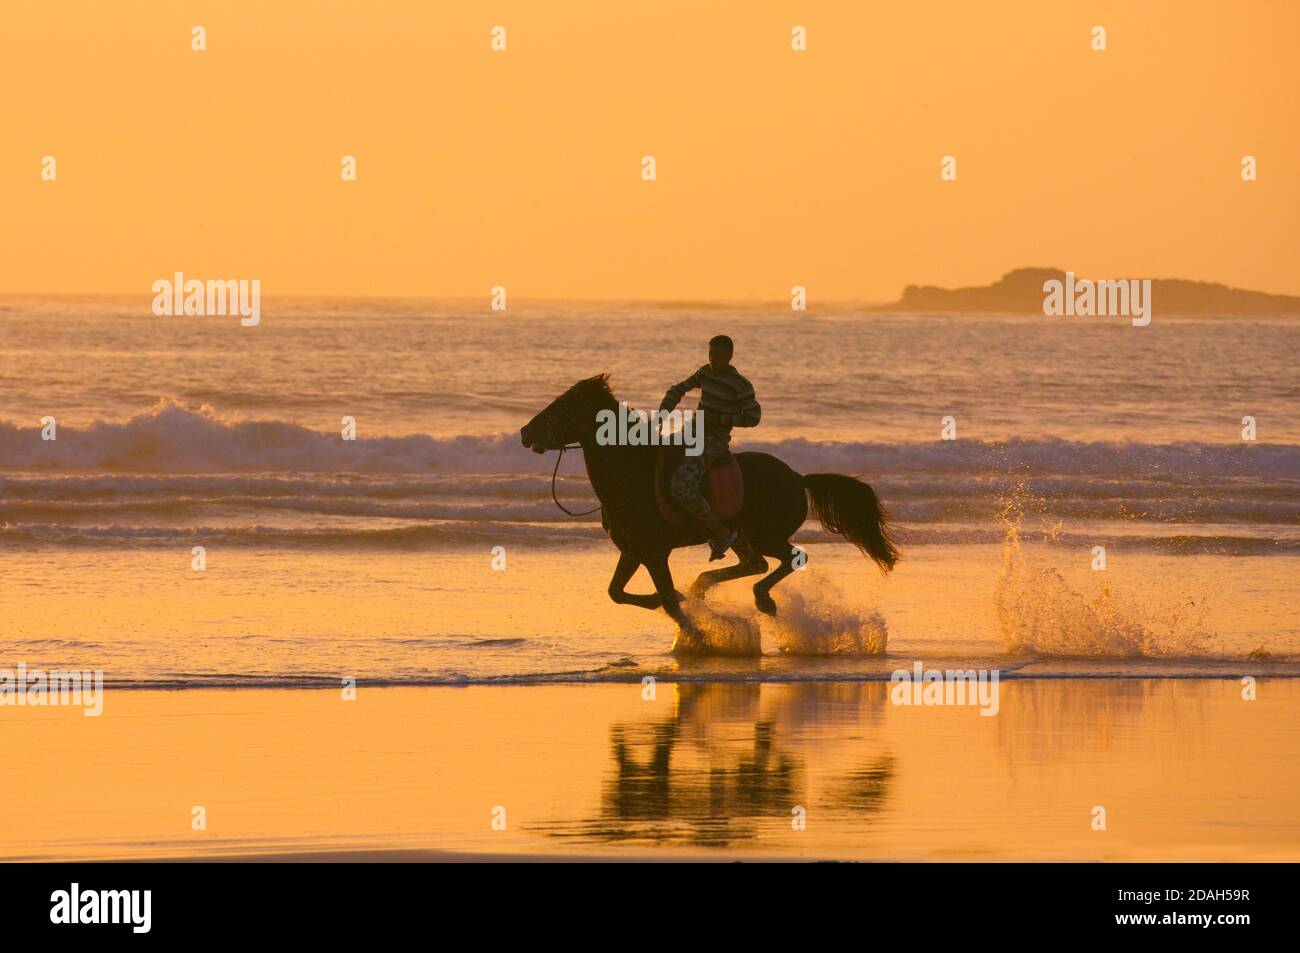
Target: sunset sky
x,y
522,168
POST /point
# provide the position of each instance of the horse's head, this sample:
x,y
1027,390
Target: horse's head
x,y
569,416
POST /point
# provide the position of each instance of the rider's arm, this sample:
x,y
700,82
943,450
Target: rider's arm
x,y
749,410
678,391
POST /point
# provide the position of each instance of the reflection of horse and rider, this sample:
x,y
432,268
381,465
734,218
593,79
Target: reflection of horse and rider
x,y
732,757
655,499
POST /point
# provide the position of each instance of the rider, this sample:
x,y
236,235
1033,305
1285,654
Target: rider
x,y
726,401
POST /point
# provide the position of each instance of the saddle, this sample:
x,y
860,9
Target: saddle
x,y
726,486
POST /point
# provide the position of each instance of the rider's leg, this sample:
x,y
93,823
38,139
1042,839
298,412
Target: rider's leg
x,y
721,538
689,488
716,446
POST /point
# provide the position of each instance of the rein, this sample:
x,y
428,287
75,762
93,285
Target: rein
x,y
555,473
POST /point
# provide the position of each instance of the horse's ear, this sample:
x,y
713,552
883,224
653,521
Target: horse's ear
x,y
600,380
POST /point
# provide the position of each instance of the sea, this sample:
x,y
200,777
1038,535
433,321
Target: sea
x,y
1074,497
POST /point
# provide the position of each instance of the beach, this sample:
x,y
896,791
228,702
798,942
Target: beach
x,y
649,434
313,646
1185,769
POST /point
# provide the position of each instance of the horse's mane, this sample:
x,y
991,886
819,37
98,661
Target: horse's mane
x,y
599,383
595,388
598,388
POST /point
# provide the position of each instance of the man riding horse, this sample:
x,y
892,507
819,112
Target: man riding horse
x,y
726,400
772,506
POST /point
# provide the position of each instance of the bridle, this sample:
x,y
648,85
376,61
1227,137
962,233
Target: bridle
x,y
555,473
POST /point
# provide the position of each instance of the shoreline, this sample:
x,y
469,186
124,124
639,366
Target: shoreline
x,y
1234,669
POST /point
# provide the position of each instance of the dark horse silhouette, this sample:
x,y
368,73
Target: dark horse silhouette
x,y
775,506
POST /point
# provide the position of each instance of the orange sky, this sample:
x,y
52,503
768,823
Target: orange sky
x,y
522,168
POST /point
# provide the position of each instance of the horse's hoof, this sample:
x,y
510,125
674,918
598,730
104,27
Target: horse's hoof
x,y
688,641
764,603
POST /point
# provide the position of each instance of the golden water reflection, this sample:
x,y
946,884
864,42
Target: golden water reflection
x,y
724,764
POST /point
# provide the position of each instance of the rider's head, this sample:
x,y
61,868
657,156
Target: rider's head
x,y
720,351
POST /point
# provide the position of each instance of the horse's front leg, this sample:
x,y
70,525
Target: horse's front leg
x,y
624,571
669,597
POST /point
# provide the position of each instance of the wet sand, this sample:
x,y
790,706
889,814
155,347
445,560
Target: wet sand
x,y
1184,768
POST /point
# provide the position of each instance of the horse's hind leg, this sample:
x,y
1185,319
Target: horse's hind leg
x,y
750,564
624,571
763,588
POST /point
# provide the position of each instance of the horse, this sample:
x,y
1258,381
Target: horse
x,y
775,506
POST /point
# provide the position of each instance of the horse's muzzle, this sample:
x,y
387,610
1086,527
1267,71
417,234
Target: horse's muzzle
x,y
527,440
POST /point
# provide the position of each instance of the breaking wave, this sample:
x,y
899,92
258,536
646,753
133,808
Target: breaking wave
x,y
172,438
176,472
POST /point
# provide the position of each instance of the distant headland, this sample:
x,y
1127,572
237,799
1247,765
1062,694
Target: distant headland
x,y
1021,292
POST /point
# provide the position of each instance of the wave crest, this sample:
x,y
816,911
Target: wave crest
x,y
173,438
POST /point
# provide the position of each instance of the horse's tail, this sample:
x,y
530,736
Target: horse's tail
x,y
849,508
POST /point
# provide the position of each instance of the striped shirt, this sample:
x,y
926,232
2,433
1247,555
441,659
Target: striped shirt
x,y
728,396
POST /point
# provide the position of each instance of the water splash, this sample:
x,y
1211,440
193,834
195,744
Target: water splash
x,y
816,618
710,631
1040,613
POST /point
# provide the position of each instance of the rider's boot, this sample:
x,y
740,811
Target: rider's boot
x,y
721,538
